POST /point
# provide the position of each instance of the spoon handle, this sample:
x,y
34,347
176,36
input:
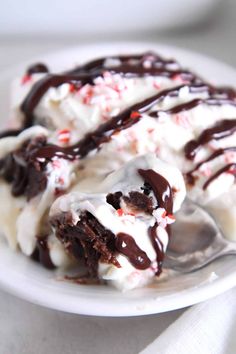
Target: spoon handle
x,y
228,249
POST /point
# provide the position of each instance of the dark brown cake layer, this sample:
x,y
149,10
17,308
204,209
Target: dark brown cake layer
x,y
88,240
26,175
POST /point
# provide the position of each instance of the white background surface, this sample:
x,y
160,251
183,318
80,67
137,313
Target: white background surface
x,y
86,17
26,328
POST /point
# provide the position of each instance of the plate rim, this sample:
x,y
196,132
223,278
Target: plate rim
x,y
188,298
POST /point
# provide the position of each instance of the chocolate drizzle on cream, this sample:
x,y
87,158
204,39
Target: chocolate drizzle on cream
x,y
189,176
10,132
126,245
161,188
221,130
123,121
194,103
41,253
153,59
163,193
37,68
229,168
129,66
41,87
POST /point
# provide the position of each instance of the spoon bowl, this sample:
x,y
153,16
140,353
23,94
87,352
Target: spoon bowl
x,y
197,240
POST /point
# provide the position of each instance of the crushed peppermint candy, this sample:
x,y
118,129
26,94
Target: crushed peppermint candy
x,y
230,156
156,85
74,88
56,163
64,136
205,170
121,212
135,115
182,120
162,217
232,171
26,79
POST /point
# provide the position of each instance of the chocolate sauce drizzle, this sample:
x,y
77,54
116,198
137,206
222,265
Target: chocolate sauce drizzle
x,y
194,103
127,246
124,120
42,254
37,68
154,59
120,122
41,87
189,176
10,132
163,193
161,188
220,130
130,66
230,168
86,74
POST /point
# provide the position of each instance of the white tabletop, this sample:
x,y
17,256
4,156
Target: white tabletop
x,y
29,329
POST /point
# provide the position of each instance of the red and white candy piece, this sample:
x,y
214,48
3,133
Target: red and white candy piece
x,y
26,79
163,218
64,136
182,120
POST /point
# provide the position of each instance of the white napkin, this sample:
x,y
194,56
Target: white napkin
x,y
206,328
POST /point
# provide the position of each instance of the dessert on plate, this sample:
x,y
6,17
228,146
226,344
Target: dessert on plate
x,y
98,159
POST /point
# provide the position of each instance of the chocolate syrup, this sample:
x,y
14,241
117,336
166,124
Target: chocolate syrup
x,y
42,254
105,131
100,63
124,120
161,188
126,245
189,176
41,87
220,130
10,132
163,193
158,247
37,68
194,103
230,168
85,74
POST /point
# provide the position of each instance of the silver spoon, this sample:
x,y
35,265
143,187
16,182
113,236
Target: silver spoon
x,y
196,240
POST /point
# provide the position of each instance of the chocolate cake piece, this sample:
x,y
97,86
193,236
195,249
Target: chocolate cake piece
x,y
90,241
41,253
121,233
139,202
26,175
87,240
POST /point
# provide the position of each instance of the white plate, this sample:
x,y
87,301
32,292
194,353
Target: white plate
x,y
28,280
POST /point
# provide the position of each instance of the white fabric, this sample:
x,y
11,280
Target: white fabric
x,y
30,329
206,328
